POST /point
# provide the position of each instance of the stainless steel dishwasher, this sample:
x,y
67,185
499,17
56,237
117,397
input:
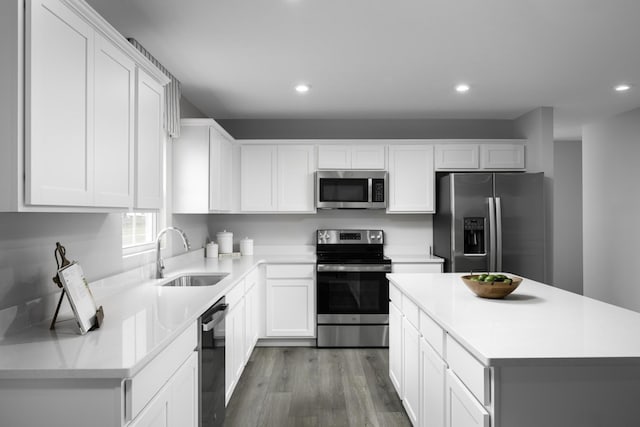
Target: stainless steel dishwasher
x,y
211,355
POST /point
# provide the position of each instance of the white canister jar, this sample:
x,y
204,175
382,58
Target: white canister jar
x,y
246,246
225,242
212,250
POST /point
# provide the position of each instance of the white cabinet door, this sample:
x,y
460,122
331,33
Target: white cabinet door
x,y
456,156
334,156
176,403
234,346
350,156
156,413
258,167
220,164
367,157
411,370
251,321
149,142
190,166
113,124
462,409
59,100
183,404
411,179
290,308
395,347
432,386
295,178
502,156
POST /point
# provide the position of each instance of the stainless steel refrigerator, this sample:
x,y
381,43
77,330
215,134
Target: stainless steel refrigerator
x,y
491,222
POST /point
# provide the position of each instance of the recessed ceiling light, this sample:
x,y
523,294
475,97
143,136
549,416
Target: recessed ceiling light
x,y
303,88
622,87
462,88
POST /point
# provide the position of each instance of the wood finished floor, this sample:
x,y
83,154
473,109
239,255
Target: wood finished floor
x,y
301,386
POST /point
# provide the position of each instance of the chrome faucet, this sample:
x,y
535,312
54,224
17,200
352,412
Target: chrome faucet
x,y
159,261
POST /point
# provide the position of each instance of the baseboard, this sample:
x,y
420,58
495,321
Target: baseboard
x,y
286,342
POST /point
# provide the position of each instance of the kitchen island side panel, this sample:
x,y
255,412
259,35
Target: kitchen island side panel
x,y
561,396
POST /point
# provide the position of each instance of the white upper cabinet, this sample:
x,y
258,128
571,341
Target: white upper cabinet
x,y
113,125
411,179
277,178
350,156
470,155
59,123
69,114
295,178
202,159
457,156
502,156
149,142
258,175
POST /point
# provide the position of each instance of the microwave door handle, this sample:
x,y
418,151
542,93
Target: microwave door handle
x,y
370,189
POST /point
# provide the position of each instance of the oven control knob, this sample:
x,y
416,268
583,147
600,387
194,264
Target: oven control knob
x,y
376,236
323,236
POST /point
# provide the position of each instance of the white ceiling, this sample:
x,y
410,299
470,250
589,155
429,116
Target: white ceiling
x,y
389,59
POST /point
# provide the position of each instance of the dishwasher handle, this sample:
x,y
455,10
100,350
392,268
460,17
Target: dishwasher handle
x,y
213,320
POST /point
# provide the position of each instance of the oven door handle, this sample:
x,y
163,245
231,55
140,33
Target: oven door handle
x,y
364,268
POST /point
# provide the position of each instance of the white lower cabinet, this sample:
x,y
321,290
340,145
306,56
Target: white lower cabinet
x,y
291,301
462,408
251,319
411,369
176,404
432,386
438,381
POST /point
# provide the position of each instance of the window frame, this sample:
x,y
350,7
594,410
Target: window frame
x,y
141,247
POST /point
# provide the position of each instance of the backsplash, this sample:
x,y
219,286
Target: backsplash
x,y
402,232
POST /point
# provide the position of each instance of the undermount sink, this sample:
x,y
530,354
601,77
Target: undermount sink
x,y
196,280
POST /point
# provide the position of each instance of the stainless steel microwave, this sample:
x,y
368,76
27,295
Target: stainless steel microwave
x,y
351,189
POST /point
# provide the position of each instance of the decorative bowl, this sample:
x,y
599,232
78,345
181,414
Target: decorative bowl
x,y
494,290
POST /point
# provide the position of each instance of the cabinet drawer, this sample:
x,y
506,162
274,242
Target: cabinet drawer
x,y
395,296
432,333
251,279
417,268
284,271
471,372
235,294
411,311
140,389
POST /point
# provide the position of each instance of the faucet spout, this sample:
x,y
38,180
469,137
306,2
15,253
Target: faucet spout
x,y
159,261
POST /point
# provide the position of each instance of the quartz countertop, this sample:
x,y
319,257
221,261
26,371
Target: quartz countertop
x,y
139,323
537,324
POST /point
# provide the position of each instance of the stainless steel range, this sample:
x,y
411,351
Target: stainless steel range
x,y
352,289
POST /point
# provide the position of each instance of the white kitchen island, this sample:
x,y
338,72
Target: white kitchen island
x,y
540,357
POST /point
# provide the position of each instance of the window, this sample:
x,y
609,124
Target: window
x,y
138,231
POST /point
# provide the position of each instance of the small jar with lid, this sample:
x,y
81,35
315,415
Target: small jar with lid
x,y
246,246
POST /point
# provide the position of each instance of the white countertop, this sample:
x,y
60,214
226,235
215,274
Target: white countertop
x,y
139,323
536,324
416,259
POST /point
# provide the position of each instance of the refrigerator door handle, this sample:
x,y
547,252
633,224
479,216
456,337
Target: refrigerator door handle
x,y
492,234
498,234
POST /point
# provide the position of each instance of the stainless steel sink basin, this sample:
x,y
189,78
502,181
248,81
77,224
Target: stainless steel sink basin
x,y
196,280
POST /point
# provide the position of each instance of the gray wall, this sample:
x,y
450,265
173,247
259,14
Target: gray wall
x,y
27,242
611,202
188,110
374,129
537,127
567,238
